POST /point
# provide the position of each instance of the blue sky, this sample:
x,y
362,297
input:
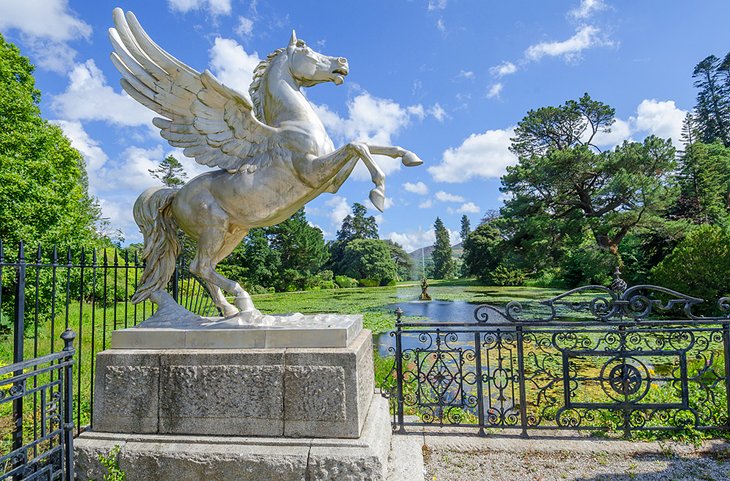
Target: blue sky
x,y
447,79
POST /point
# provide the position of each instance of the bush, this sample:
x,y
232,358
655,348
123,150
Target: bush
x,y
586,265
699,266
345,282
507,276
369,282
387,282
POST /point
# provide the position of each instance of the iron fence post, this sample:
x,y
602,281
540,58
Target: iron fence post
x,y
726,345
399,370
521,378
176,280
480,394
18,346
68,439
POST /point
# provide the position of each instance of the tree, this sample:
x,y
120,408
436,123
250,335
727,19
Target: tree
x,y
369,259
464,233
403,261
301,246
43,183
713,99
354,226
564,184
170,172
482,251
443,264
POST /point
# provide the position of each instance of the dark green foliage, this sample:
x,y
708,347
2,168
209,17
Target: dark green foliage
x,y
482,252
699,265
170,172
403,262
711,77
443,264
508,276
464,233
354,226
43,184
369,259
587,264
345,282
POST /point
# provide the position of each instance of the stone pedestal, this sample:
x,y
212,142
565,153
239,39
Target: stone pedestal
x,y
177,408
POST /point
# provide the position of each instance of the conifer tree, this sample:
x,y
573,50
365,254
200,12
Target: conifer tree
x,y
443,264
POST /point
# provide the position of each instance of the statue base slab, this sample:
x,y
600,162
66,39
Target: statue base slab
x,y
194,458
291,331
292,392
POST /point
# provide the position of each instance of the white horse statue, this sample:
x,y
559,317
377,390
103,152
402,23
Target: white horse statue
x,y
272,157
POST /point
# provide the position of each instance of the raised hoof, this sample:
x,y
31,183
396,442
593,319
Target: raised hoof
x,y
378,199
411,160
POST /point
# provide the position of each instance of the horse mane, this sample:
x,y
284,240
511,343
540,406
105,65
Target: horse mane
x,y
258,75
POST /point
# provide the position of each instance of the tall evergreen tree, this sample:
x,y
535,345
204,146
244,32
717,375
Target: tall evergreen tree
x,y
443,264
464,233
713,99
357,225
170,172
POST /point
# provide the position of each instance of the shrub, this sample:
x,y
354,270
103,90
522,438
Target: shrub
x,y
345,282
588,264
699,266
369,282
507,276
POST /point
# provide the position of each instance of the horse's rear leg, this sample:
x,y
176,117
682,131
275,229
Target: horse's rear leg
x,y
214,244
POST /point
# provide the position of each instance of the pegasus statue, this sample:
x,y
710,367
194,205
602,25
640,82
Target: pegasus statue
x,y
271,155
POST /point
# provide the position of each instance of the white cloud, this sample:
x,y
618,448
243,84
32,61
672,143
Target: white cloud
x,y
469,208
480,155
662,119
416,239
372,120
587,8
437,5
585,37
232,65
94,157
437,112
245,27
88,97
505,68
340,209
620,130
426,204
446,197
495,90
46,27
466,74
440,25
215,7
418,188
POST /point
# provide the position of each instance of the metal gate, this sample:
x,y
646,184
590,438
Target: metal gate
x,y
594,358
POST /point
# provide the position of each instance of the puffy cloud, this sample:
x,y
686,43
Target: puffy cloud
x,y
426,204
89,97
46,27
215,7
416,239
587,8
373,120
620,130
480,155
232,65
418,188
585,37
495,90
469,208
339,209
505,68
662,119
245,27
446,197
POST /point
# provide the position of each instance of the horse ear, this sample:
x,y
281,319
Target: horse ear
x,y
293,39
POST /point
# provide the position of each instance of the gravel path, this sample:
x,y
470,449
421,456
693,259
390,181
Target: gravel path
x,y
451,457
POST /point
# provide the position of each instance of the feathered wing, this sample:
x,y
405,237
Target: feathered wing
x,y
214,124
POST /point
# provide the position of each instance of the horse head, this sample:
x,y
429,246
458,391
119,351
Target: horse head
x,y
310,68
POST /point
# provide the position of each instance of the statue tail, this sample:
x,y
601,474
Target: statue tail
x,y
153,215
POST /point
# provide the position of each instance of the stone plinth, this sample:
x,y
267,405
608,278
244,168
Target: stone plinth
x,y
296,330
321,392
194,458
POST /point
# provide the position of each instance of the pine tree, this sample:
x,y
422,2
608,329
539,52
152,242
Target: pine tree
x,y
713,99
170,172
443,264
465,231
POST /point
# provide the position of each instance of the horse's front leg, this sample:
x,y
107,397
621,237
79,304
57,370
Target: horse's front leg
x,y
335,167
408,158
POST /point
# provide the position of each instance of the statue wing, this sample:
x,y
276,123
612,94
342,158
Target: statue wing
x,y
214,124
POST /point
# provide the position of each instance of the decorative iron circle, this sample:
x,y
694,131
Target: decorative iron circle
x,y
625,379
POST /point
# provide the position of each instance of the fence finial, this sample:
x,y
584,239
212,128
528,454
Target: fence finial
x,y
398,314
68,337
618,285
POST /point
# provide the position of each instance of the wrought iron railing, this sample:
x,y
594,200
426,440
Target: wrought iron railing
x,y
37,396
594,358
47,292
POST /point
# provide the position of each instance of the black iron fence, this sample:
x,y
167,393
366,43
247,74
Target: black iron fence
x,y
594,358
45,292
37,397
